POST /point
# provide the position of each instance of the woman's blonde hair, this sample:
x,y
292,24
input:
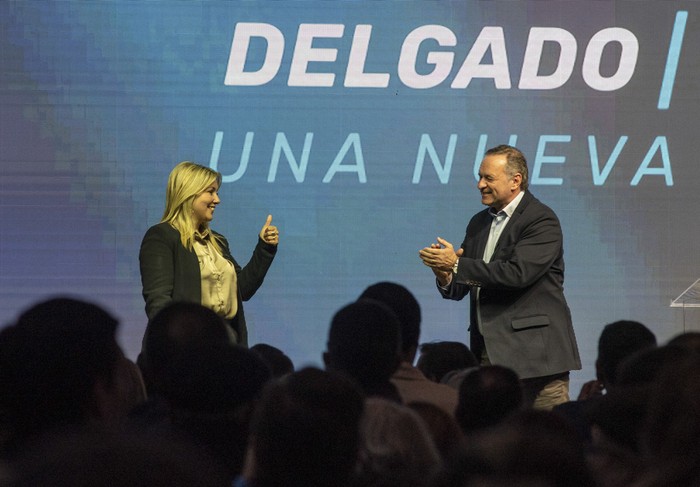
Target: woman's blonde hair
x,y
187,180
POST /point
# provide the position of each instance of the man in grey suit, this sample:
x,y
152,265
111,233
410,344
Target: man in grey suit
x,y
511,264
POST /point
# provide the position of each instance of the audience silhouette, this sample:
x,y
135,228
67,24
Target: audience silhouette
x,y
396,447
409,380
199,410
278,362
363,343
61,368
487,396
617,342
305,432
437,359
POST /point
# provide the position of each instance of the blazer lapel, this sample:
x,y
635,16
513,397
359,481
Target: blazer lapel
x,y
482,235
512,221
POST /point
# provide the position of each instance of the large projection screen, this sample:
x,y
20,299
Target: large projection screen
x,y
359,127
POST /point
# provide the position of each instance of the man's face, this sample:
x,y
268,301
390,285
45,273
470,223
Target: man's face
x,y
496,187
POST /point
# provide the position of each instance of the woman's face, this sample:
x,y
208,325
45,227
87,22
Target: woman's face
x,y
204,204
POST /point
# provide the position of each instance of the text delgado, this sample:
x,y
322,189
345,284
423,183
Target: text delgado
x,y
442,62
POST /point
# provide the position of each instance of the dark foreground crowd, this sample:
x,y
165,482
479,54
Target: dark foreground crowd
x,y
198,410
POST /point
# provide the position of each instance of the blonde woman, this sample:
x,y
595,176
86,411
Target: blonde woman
x,y
182,259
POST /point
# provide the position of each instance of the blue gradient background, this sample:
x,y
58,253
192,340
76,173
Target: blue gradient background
x,y
99,100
